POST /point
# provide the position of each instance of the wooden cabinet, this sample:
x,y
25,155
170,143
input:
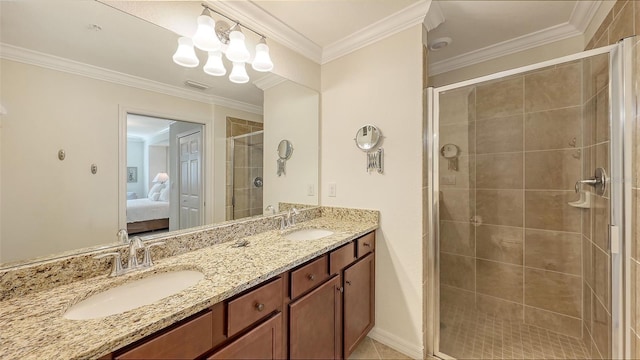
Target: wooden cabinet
x,y
253,306
359,302
314,323
263,342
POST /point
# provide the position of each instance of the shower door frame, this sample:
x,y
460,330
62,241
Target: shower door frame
x,y
620,112
233,169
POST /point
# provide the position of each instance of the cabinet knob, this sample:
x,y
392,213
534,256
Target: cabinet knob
x,y
348,282
340,288
365,244
311,277
259,307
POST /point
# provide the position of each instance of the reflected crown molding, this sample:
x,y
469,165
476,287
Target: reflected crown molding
x,y
268,81
18,54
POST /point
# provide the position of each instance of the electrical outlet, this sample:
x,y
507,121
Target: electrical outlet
x,y
332,189
311,190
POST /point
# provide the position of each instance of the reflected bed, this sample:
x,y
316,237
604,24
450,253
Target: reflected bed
x,y
147,215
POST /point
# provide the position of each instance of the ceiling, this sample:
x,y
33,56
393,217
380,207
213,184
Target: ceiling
x,y
322,30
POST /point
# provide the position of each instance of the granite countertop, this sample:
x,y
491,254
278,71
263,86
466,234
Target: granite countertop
x,y
33,326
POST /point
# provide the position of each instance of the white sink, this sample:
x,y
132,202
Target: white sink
x,y
308,234
133,294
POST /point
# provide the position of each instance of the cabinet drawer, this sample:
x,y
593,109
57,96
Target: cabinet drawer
x,y
341,257
188,340
253,306
366,244
309,276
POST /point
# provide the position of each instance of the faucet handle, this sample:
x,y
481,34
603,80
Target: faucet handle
x,y
136,242
116,267
123,236
147,262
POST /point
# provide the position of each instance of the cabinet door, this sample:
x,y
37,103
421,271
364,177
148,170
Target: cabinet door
x,y
359,306
315,322
263,342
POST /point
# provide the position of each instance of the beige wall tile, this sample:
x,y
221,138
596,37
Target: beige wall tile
x,y
587,309
499,280
465,175
499,243
456,205
601,329
622,25
553,88
600,209
553,291
553,129
457,271
556,251
552,170
562,324
500,308
589,122
599,73
602,116
457,238
586,220
587,262
500,98
455,106
457,297
503,134
500,207
549,210
588,342
461,135
602,274
637,299
633,296
499,171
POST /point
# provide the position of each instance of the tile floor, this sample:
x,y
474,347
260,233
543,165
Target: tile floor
x,y
469,334
371,349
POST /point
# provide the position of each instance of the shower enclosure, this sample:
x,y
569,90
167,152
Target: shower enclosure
x,y
522,264
244,175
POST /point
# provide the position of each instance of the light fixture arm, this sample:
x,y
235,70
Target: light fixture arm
x,y
207,7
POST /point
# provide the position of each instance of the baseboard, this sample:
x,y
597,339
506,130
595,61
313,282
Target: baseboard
x,y
415,351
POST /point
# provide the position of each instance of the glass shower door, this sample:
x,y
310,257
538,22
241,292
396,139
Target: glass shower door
x,y
523,264
246,174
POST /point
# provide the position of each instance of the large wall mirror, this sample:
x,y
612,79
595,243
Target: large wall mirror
x,y
95,117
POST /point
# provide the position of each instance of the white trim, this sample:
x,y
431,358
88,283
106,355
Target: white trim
x,y
415,351
434,17
26,56
392,24
581,15
268,81
256,17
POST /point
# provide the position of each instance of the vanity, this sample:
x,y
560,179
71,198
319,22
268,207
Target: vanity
x,y
263,297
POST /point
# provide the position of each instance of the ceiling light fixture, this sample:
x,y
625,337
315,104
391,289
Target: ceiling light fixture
x,y
439,43
217,38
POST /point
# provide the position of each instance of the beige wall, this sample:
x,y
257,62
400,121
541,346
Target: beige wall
x,y
381,84
50,205
291,112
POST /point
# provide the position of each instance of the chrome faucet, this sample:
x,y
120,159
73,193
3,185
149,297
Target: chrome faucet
x,y
123,236
270,208
289,220
134,244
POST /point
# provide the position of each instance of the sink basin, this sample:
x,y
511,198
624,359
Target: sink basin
x,y
133,294
308,234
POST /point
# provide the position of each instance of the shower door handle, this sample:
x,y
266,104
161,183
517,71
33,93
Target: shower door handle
x,y
599,182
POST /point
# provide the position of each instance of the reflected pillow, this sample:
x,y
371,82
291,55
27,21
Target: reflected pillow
x,y
164,194
155,196
155,189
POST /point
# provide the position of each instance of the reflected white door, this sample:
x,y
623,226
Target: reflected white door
x,y
190,187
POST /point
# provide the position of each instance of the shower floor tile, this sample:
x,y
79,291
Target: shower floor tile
x,y
470,334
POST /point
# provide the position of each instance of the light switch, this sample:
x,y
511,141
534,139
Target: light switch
x,y
311,190
332,189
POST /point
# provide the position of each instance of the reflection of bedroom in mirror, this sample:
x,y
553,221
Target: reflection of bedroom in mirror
x,y
167,194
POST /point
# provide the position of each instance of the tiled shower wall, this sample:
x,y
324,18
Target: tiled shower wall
x,y
248,164
510,243
622,21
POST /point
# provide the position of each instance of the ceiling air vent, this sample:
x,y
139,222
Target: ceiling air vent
x,y
196,85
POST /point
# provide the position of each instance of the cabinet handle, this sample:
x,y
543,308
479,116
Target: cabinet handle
x,y
311,277
340,288
259,307
348,282
365,244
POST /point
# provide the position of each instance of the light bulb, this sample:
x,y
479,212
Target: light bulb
x,y
262,61
239,73
205,37
237,50
214,64
185,55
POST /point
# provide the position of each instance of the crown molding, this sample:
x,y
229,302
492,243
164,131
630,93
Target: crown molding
x,y
392,24
522,43
52,62
580,18
583,13
434,17
254,16
268,81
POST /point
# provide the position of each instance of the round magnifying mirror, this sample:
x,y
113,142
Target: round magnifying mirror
x,y
285,149
367,137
